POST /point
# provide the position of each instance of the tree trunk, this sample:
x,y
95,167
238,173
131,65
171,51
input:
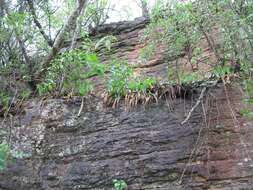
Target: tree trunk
x,y
70,24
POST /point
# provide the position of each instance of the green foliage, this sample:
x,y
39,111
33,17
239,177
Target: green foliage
x,y
184,26
221,71
181,27
147,52
120,73
106,42
248,87
45,87
188,78
16,21
142,86
91,46
14,67
119,184
4,154
25,93
174,26
70,73
181,78
122,81
157,11
247,113
4,100
97,12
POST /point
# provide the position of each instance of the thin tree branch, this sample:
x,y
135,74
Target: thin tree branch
x,y
37,23
71,22
23,50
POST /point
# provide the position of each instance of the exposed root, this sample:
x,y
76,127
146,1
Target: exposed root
x,y
201,96
195,106
157,92
199,142
81,108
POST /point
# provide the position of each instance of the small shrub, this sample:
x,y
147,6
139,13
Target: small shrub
x,y
120,74
119,184
181,78
142,86
147,52
70,73
248,87
247,113
122,81
4,100
221,71
188,78
106,42
4,154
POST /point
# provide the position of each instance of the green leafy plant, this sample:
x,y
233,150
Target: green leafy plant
x,y
142,86
157,10
122,81
248,87
119,184
221,71
247,113
120,74
4,100
16,20
174,26
97,12
45,87
181,78
106,42
188,78
70,73
147,52
25,93
4,154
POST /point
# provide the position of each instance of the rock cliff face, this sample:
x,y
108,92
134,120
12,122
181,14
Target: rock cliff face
x,y
146,146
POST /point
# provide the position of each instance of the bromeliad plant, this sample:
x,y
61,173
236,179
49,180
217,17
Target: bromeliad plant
x,y
120,74
123,84
122,81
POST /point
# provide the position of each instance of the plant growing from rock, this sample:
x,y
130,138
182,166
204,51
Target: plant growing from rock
x,y
4,154
122,81
119,184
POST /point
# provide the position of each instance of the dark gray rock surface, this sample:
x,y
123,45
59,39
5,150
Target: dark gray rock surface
x,y
146,146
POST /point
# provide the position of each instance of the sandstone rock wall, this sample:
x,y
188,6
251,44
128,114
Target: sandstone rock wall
x,y
146,146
